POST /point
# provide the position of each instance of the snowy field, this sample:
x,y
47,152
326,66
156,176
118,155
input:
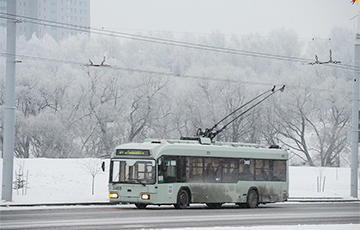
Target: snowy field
x,y
296,227
70,181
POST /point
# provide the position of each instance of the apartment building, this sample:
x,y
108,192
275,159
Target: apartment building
x,y
58,18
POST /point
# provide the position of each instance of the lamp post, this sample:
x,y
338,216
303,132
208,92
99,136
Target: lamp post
x,y
9,110
355,116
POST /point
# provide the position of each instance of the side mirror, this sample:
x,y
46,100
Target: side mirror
x,y
103,166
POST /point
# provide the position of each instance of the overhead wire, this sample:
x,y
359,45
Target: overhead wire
x,y
162,41
138,70
159,73
156,40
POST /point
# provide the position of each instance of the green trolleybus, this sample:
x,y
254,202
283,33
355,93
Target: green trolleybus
x,y
182,172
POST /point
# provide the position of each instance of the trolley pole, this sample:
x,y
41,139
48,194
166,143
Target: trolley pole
x,y
355,117
9,111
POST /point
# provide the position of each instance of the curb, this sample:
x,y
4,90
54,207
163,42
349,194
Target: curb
x,y
293,199
322,199
55,204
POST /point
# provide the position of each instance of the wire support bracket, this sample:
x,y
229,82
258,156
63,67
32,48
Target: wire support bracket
x,y
331,61
102,64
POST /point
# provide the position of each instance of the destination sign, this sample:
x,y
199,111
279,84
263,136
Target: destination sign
x,y
132,152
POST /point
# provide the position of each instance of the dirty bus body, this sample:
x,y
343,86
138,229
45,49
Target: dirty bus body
x,y
181,172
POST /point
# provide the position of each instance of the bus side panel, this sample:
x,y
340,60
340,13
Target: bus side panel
x,y
217,193
167,193
237,193
272,192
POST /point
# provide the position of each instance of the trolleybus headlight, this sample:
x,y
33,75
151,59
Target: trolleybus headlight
x,y
145,196
114,195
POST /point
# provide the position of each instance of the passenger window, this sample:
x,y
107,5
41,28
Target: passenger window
x,y
230,170
246,169
262,172
212,171
194,169
171,169
279,170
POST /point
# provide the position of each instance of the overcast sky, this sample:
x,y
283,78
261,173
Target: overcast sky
x,y
309,18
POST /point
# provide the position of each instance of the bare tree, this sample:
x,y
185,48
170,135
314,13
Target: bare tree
x,y
98,106
293,123
145,105
49,137
63,110
93,167
330,131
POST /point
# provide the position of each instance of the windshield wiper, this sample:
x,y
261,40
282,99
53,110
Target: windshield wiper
x,y
140,182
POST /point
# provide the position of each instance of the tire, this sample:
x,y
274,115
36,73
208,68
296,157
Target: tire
x,y
140,206
183,199
214,205
252,200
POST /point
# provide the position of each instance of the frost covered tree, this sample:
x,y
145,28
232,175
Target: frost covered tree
x,y
331,121
292,124
92,166
144,106
66,108
98,103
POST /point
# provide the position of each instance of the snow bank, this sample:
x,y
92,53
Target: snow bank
x,y
59,181
288,227
319,182
68,181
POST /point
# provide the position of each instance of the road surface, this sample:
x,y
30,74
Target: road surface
x,y
153,217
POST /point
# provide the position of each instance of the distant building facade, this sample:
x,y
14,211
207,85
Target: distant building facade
x,y
74,12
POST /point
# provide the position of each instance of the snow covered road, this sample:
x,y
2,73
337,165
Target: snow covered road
x,y
197,216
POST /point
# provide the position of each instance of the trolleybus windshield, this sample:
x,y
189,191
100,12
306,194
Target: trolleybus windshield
x,y
132,171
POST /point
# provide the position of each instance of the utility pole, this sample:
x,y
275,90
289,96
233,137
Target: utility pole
x,y
355,117
9,112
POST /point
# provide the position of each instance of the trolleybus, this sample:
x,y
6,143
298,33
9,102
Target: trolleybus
x,y
184,172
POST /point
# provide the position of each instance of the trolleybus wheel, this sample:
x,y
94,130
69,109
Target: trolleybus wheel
x,y
183,199
213,205
140,206
252,199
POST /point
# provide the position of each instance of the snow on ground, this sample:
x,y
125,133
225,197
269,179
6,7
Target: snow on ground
x,y
59,181
70,181
294,227
319,182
